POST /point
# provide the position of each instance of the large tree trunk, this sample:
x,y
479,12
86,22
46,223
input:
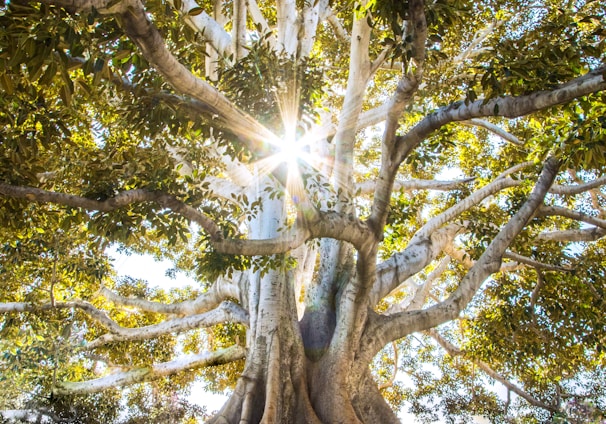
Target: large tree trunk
x,y
294,371
281,384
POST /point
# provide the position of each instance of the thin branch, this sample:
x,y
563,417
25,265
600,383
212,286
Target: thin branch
x,y
392,379
574,215
94,313
422,293
470,201
472,50
368,186
514,169
571,236
455,351
337,27
533,263
153,372
122,199
217,293
226,312
571,190
495,129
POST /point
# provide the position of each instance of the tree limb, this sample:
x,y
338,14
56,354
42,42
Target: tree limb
x,y
533,263
574,215
571,190
213,33
217,293
507,106
368,186
384,329
495,129
417,255
153,372
122,199
143,33
570,236
226,312
470,201
337,27
455,351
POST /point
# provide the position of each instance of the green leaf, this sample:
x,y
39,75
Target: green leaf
x,y
195,11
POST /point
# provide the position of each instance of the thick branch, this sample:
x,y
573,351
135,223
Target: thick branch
x,y
288,26
422,249
140,29
510,107
214,33
312,11
140,375
385,330
417,255
470,201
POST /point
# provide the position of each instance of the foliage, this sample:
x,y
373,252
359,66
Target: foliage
x,y
85,112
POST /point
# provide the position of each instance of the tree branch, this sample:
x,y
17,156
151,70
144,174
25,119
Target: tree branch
x,y
386,329
153,372
495,129
139,28
455,351
507,106
217,293
571,190
213,33
96,314
337,27
226,312
574,215
571,236
470,201
312,11
368,186
420,291
535,264
415,257
122,199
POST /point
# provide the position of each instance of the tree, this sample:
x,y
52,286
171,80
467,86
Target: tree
x,y
360,188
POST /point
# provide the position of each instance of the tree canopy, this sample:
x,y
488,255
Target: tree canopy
x,y
386,205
